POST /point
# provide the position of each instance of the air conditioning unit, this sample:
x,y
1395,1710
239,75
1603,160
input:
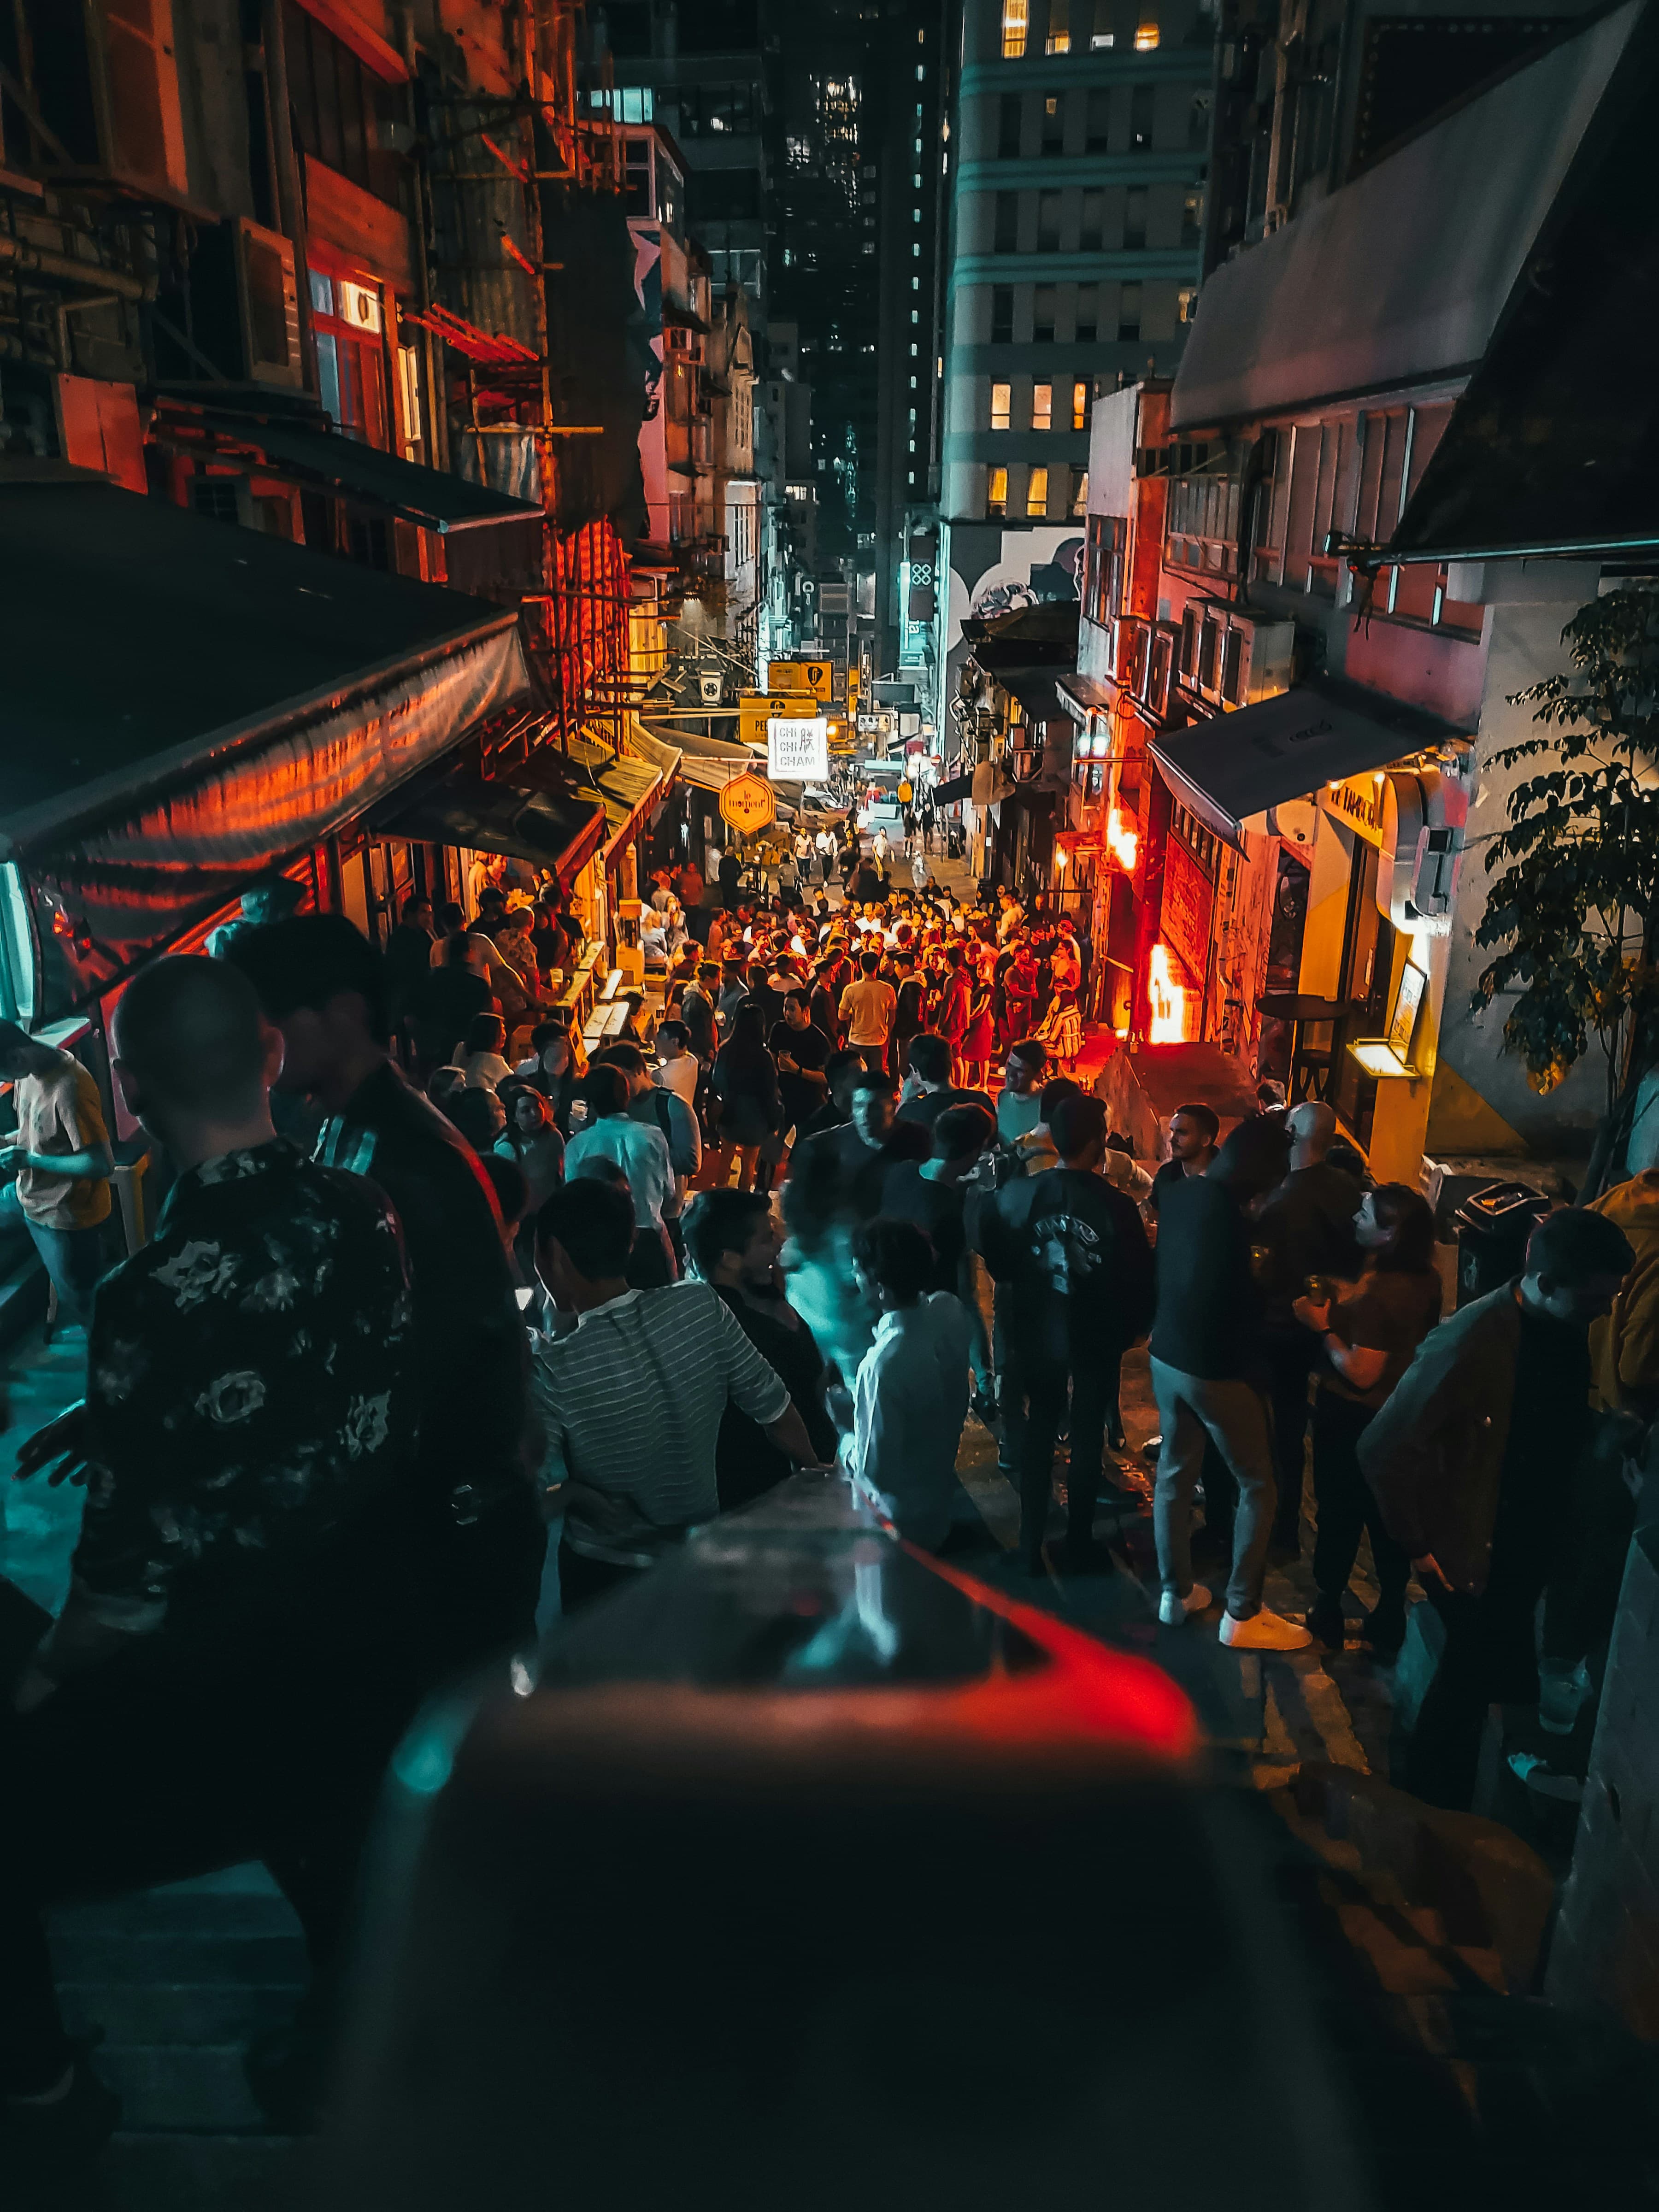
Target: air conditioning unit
x,y
1241,660
1160,670
102,77
244,304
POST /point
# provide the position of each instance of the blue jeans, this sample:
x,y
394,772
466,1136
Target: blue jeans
x,y
75,1259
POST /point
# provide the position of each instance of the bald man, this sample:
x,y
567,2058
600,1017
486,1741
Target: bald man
x,y
1308,1226
237,1656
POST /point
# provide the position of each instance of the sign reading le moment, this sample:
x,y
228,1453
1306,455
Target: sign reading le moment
x,y
748,803
797,750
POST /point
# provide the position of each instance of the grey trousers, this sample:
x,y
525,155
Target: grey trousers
x,y
1189,1407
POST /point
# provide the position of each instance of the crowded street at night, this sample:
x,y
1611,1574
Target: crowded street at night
x,y
829,1106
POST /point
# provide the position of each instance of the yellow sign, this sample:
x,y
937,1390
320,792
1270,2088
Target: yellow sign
x,y
748,803
756,708
853,687
814,675
1357,802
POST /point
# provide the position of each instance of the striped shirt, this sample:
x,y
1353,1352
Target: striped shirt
x,y
630,1402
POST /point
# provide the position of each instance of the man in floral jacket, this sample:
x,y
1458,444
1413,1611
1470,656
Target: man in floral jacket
x,y
238,1651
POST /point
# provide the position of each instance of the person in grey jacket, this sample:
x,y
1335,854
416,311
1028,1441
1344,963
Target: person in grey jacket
x,y
1467,1458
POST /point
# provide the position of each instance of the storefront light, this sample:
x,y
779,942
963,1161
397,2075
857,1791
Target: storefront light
x,y
1166,1001
1121,842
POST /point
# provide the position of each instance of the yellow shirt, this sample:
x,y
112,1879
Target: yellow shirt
x,y
61,1112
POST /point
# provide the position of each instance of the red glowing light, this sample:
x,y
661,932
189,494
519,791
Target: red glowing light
x,y
1166,1001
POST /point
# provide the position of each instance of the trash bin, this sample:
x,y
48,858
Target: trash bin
x,y
1494,1225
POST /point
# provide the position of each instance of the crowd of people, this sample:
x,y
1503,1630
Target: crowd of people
x,y
430,1278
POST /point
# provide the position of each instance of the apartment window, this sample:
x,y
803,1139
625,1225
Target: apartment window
x,y
1143,103
1002,314
1187,302
1098,126
1005,239
1088,313
1001,405
996,494
1008,119
1042,406
1128,312
1102,35
1059,27
1134,220
1198,120
1036,493
338,105
1054,125
1192,218
1092,233
1048,223
1080,390
1146,36
1079,499
1043,315
1015,22
345,321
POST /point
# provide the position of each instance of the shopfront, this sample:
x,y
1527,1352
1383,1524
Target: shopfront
x,y
1310,872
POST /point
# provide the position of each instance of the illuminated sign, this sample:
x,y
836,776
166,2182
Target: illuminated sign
x,y
798,749
748,803
1357,801
814,676
756,708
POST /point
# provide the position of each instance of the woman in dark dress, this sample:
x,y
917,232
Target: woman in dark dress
x,y
745,1078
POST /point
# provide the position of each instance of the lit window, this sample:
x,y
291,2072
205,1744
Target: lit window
x,y
996,494
1036,493
1079,405
1060,34
1079,491
1146,38
1015,18
1042,406
1001,405
1186,301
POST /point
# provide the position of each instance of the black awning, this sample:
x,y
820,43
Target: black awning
x,y
326,461
551,828
959,786
1233,766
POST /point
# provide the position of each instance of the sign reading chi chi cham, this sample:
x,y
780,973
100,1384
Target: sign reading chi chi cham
x,y
798,750
747,803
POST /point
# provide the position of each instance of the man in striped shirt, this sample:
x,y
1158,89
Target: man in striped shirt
x,y
630,1396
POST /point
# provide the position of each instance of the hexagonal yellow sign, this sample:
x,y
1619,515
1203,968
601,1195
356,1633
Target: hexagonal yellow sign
x,y
747,803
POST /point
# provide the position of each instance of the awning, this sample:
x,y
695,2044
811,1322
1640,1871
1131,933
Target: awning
x,y
959,786
1082,695
1233,766
183,703
551,826
1402,275
326,460
655,751
628,790
1033,687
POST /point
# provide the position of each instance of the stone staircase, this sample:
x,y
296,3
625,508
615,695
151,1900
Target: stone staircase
x,y
177,1981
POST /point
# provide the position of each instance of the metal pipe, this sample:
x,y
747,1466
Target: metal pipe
x,y
63,268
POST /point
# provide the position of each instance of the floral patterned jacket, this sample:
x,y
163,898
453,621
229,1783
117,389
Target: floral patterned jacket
x,y
249,1382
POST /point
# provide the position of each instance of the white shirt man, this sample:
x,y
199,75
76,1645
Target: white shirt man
x,y
909,1402
641,1153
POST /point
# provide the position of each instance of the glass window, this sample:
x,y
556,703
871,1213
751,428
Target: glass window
x,y
1134,220
1088,313
1008,122
1015,20
1192,216
1005,239
1043,315
1043,405
1001,405
996,494
1048,223
1036,493
1098,131
1079,503
1002,314
1128,312
1101,34
1054,124
1060,33
1091,232
1143,108
1145,35
1080,404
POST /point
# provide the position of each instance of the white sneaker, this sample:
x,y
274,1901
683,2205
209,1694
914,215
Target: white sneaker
x,y
1173,1609
1263,1631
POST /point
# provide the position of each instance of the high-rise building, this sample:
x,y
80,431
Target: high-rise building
x,y
1079,154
